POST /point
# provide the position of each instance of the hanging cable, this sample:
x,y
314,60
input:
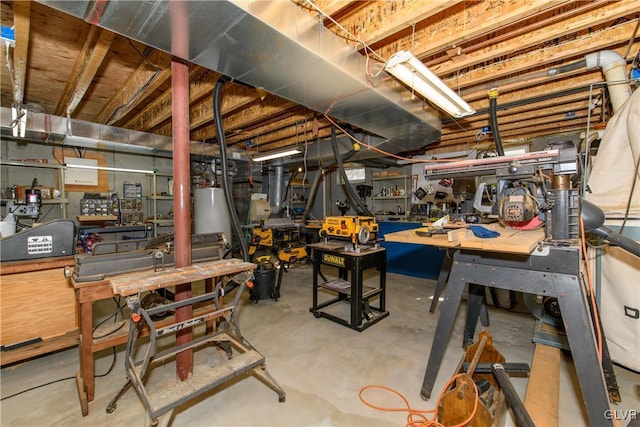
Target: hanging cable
x,y
349,190
493,116
226,185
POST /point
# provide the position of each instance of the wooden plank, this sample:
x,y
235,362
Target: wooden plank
x,y
38,304
89,60
543,389
509,241
463,22
592,18
143,82
82,395
409,236
159,110
249,117
587,43
131,284
61,342
22,24
380,19
13,267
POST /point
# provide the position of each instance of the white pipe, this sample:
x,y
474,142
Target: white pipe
x,y
614,68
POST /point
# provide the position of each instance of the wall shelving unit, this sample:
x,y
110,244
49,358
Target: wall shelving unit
x,y
160,201
62,201
390,197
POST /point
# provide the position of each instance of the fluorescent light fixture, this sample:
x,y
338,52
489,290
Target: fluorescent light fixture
x,y
412,72
105,168
270,155
83,141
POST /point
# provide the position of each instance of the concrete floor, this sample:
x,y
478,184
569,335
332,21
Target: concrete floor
x,y
321,365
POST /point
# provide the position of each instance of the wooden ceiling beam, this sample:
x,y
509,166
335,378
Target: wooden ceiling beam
x,y
322,134
589,43
330,7
527,26
271,106
159,111
379,19
528,130
296,132
152,73
22,28
552,87
233,98
563,104
538,37
89,60
262,133
462,22
542,89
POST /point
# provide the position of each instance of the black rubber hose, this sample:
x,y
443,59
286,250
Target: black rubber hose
x,y
523,419
349,190
235,221
316,183
312,196
493,106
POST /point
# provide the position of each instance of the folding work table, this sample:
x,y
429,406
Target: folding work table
x,y
518,261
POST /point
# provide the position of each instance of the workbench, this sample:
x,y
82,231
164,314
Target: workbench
x,y
127,284
38,308
351,290
516,260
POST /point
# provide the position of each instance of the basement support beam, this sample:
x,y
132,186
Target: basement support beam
x,y
22,25
182,180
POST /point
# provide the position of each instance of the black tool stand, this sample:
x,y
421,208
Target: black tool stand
x,y
552,271
352,291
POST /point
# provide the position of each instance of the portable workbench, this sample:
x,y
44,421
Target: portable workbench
x,y
517,261
131,285
348,286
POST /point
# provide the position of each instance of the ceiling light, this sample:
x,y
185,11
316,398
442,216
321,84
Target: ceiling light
x,y
106,168
412,72
83,141
270,155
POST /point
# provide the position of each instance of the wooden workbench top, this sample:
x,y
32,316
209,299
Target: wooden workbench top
x,y
509,241
131,284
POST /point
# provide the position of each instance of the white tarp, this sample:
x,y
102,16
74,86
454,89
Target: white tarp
x,y
610,182
613,169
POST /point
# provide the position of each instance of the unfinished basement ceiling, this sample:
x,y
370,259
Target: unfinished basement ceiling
x,y
65,64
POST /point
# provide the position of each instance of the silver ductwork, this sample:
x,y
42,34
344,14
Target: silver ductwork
x,y
50,129
276,46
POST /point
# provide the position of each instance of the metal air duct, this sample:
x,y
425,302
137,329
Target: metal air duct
x,y
279,47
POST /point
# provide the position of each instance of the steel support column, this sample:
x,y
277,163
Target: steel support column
x,y
181,179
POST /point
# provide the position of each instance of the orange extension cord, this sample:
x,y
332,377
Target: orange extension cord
x,y
416,417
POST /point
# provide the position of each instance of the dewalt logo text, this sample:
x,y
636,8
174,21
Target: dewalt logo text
x,y
333,260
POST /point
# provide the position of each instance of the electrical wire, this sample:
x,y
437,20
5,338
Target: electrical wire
x,y
592,294
416,417
386,153
113,364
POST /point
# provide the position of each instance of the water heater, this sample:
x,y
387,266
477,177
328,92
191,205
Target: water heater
x,y
210,212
